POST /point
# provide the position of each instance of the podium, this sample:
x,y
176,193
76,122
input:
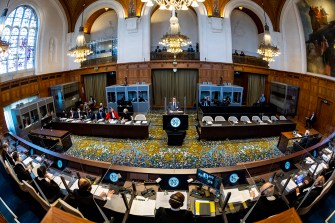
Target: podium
x,y
175,126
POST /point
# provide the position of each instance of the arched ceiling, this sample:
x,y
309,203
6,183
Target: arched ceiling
x,y
73,9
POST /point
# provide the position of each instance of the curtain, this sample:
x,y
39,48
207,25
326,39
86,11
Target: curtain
x,y
95,85
256,87
167,83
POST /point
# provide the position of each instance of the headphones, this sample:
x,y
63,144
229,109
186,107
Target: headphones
x,y
84,187
175,198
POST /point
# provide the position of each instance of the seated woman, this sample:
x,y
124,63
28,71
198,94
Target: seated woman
x,y
112,114
125,116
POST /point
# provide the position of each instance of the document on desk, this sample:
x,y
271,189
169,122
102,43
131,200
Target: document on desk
x,y
27,161
59,181
162,200
97,190
36,166
143,208
74,185
238,196
290,186
116,203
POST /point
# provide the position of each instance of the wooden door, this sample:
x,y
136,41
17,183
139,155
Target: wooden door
x,y
324,115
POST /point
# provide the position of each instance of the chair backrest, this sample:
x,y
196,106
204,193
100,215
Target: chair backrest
x,y
68,208
14,176
219,118
326,188
232,119
245,119
265,118
140,117
255,118
207,119
282,117
36,196
274,118
3,164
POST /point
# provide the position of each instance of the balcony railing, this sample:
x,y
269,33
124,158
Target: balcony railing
x,y
98,61
251,60
180,56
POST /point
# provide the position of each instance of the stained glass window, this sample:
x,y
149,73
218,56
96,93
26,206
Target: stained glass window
x,y
21,32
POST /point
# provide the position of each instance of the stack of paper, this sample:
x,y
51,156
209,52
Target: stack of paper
x,y
143,208
27,160
290,186
249,122
59,181
97,190
309,160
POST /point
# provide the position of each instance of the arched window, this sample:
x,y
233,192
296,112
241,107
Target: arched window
x,y
21,32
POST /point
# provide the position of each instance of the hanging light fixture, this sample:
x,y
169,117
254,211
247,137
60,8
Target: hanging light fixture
x,y
173,4
4,45
266,49
81,50
174,40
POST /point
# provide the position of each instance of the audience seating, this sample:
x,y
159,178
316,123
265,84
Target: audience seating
x,y
282,117
329,183
140,117
219,118
207,119
274,118
245,119
232,119
255,118
14,176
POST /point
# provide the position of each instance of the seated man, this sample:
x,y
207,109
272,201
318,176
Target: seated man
x,y
126,116
173,105
86,202
310,120
174,214
5,154
206,102
22,172
262,100
112,114
101,113
48,186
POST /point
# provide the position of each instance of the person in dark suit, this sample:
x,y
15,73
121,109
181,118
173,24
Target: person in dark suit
x,y
206,102
22,172
125,115
174,214
310,120
90,114
315,192
87,203
48,186
173,105
112,114
101,113
5,154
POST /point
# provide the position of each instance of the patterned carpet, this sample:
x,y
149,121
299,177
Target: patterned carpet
x,y
155,153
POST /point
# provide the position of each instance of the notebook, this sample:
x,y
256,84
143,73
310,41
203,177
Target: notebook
x,y
204,207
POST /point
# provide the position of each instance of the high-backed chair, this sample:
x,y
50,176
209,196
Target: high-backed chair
x,y
3,164
232,119
219,118
245,119
140,117
207,119
265,118
255,118
68,208
282,117
46,206
274,118
14,176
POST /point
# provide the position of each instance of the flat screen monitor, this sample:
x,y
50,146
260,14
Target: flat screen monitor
x,y
208,179
234,178
175,122
287,165
114,177
174,182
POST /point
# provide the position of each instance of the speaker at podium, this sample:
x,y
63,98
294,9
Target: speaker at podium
x,y
175,126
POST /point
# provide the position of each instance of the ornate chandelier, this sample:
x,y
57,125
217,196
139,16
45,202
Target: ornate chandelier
x,y
174,40
266,49
4,45
81,50
174,4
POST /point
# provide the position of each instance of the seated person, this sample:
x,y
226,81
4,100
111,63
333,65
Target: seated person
x,y
22,172
5,154
101,113
262,100
91,102
225,102
267,205
315,192
206,101
126,116
86,201
141,99
48,186
242,53
310,120
173,105
235,53
112,114
257,104
90,114
174,214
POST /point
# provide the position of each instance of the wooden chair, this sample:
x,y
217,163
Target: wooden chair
x,y
3,164
46,206
68,208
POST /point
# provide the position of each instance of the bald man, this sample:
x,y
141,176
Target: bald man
x,y
86,202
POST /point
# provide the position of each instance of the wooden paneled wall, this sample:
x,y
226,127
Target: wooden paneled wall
x,y
313,90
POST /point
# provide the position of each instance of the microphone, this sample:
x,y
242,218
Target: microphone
x,y
272,179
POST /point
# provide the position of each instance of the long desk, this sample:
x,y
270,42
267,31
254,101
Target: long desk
x,y
63,136
227,129
102,129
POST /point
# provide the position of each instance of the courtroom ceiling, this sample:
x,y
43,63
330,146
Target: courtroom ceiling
x,y
73,9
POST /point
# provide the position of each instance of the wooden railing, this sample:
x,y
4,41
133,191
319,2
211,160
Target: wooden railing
x,y
98,61
251,60
179,56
